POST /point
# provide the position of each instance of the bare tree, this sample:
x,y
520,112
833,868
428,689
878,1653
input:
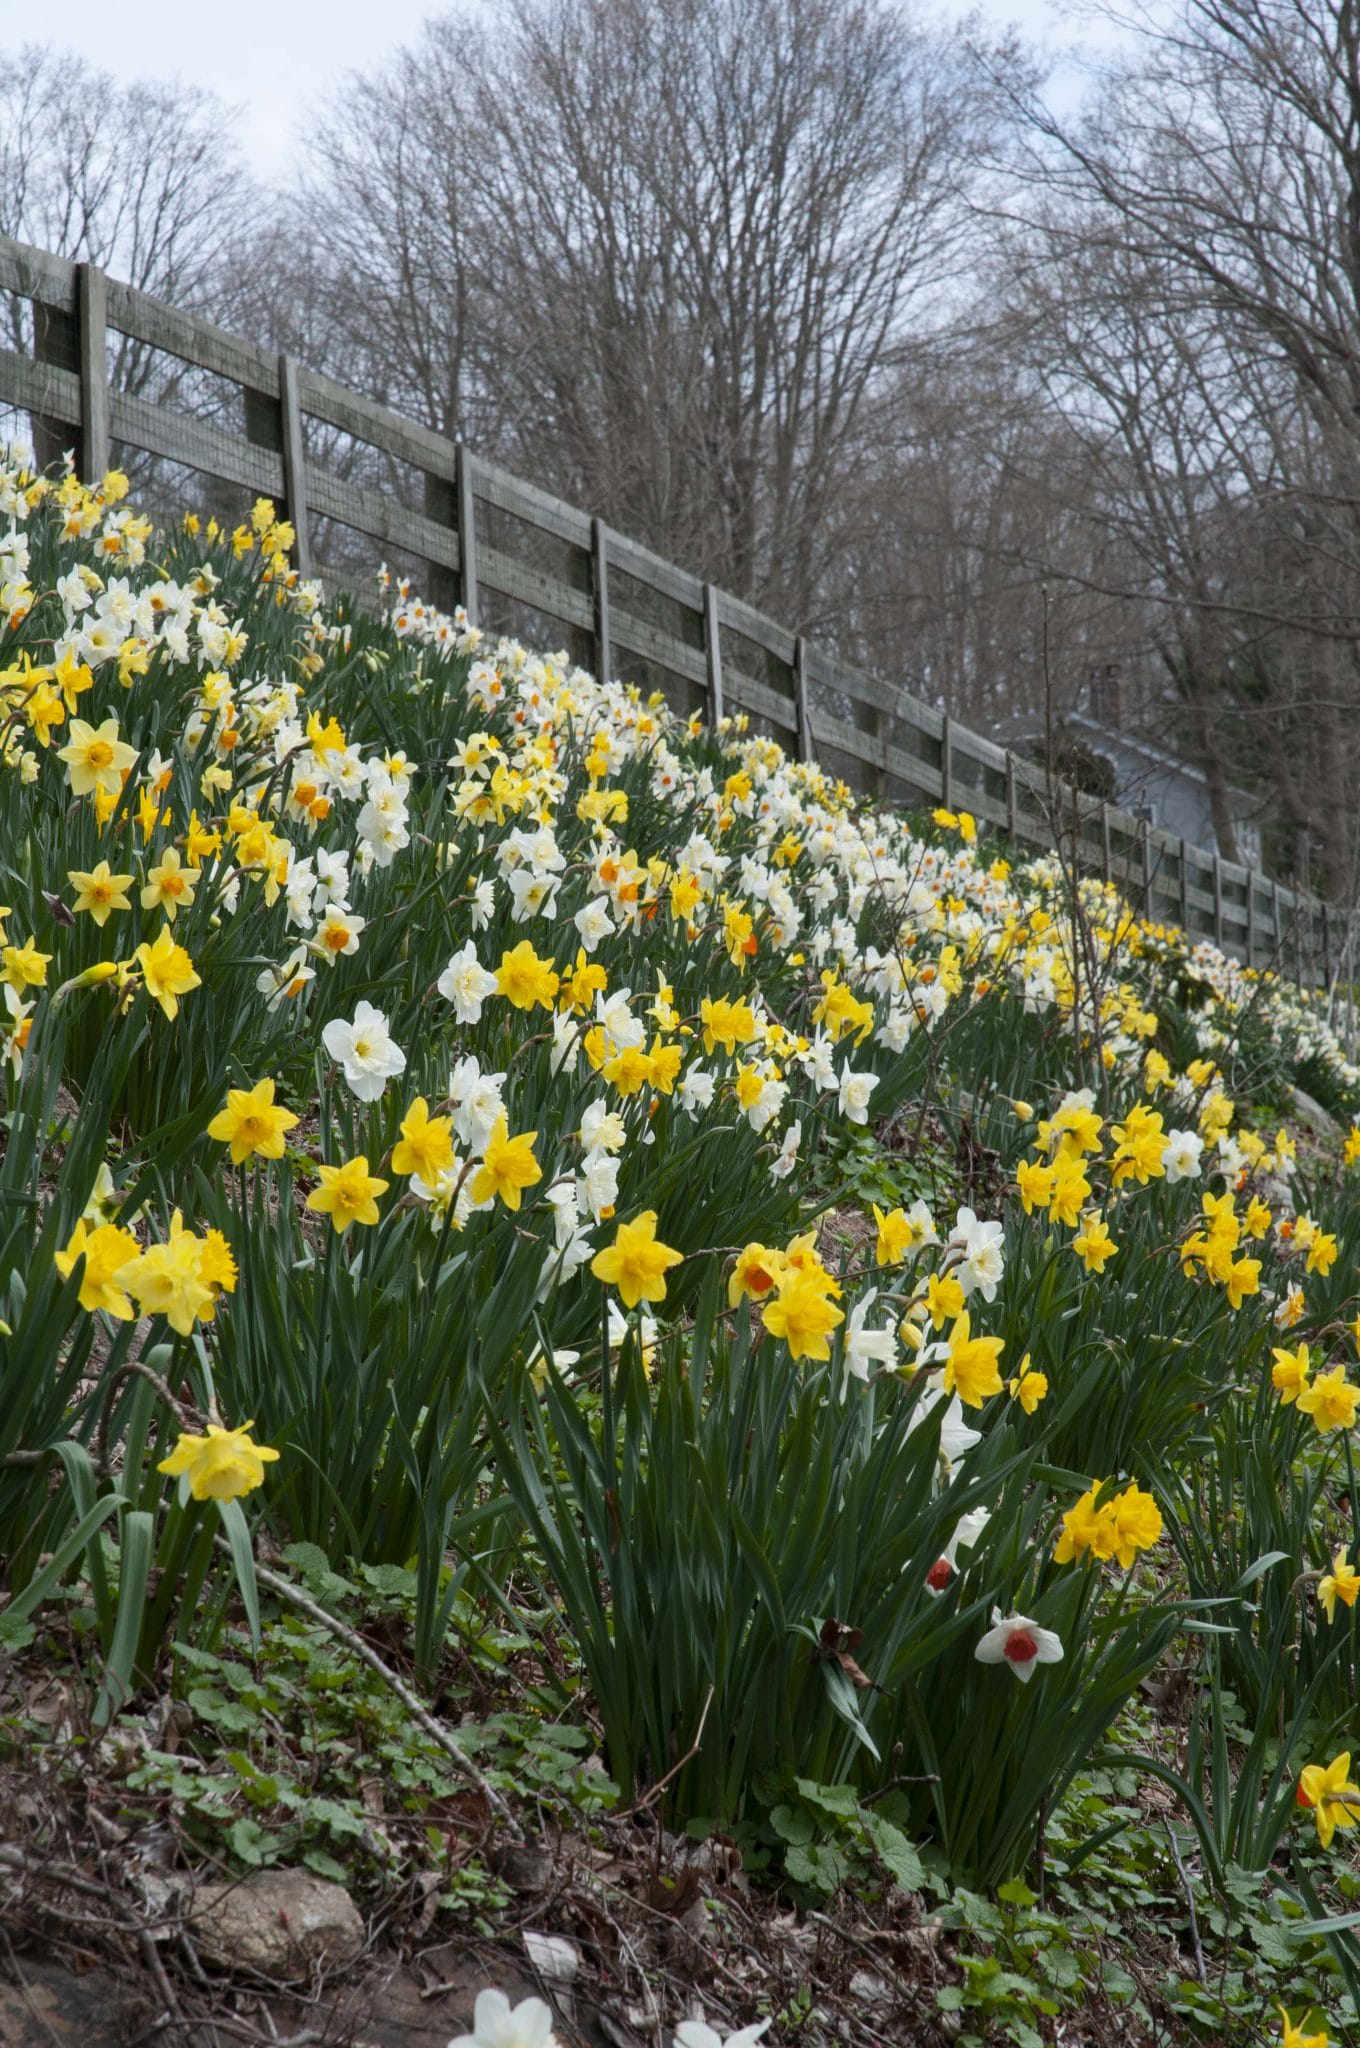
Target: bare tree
x,y
658,255
1193,258
143,179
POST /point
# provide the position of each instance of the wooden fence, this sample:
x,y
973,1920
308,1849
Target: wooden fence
x,y
519,559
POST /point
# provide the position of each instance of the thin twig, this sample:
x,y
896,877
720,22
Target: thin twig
x,y
354,1642
1190,1902
675,1769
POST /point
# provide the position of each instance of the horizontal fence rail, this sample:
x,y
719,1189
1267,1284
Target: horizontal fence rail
x,y
111,370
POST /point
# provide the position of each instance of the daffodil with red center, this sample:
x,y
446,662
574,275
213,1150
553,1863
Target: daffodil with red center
x,y
1016,1640
637,1262
756,1274
1327,1789
252,1123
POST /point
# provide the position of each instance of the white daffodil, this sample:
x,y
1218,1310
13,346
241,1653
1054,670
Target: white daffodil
x,y
365,1051
466,984
855,1090
498,2024
864,1348
1016,1640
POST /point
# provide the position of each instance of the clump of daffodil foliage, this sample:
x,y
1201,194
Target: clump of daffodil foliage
x,y
427,1067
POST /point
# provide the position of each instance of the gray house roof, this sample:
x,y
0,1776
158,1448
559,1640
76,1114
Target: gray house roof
x,y
1151,781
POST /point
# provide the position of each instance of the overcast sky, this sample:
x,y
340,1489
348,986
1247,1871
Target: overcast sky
x,y
275,58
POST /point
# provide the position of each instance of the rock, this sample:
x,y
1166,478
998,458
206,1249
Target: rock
x,y
279,1922
1312,1113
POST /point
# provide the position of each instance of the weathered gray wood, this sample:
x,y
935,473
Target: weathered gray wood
x,y
1010,794
362,418
971,746
632,559
1218,901
654,644
373,513
713,661
947,762
56,342
196,443
753,625
195,341
749,694
1251,918
40,387
599,599
1105,841
92,296
802,713
466,502
1185,888
34,274
1146,836
510,577
538,508
294,463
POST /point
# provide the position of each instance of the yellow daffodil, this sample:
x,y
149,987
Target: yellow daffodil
x,y
167,971
426,1144
99,892
220,1465
1328,1791
637,1262
252,1124
348,1194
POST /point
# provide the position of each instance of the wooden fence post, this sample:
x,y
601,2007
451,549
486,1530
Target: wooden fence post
x,y
1146,836
1277,952
800,700
465,513
1104,840
1218,899
56,340
1298,937
294,464
1185,889
1326,947
713,657
1251,917
1010,794
946,761
92,308
599,592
